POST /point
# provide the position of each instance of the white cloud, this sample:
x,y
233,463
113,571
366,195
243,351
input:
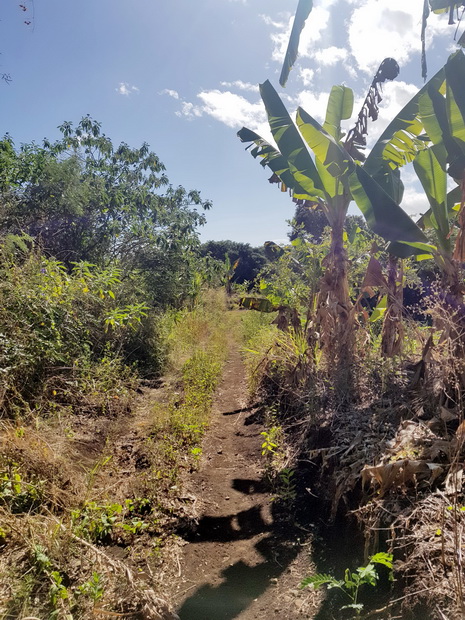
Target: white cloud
x,y
229,108
169,92
314,104
241,85
306,75
414,202
330,55
388,28
319,19
126,89
189,110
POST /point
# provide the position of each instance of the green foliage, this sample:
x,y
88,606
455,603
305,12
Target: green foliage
x,y
270,437
353,581
18,494
95,523
54,333
309,219
251,260
58,592
40,558
293,279
93,588
102,523
200,378
286,488
84,199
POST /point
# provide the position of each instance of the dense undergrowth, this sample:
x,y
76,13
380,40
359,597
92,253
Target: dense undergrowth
x,y
382,457
91,489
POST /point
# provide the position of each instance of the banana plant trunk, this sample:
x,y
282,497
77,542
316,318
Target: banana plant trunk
x,y
335,315
393,331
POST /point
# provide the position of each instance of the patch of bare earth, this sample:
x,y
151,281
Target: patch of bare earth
x,y
240,558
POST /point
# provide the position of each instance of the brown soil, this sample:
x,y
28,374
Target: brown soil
x,y
240,559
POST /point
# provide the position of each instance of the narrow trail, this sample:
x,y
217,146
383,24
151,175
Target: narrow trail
x,y
240,562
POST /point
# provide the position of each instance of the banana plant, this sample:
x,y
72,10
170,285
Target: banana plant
x,y
229,273
439,110
309,180
433,138
399,144
330,180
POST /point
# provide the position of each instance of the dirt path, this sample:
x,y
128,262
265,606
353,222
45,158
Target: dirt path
x,y
240,562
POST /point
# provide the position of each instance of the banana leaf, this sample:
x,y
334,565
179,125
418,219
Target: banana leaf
x,y
304,9
271,157
442,6
455,95
290,144
424,20
383,215
328,151
401,140
260,304
430,168
453,204
331,159
340,107
433,112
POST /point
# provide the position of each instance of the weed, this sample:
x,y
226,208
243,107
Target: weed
x,y
17,493
93,588
40,558
58,592
135,526
353,581
196,453
286,487
95,523
269,444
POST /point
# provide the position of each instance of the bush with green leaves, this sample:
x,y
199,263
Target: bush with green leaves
x,y
62,332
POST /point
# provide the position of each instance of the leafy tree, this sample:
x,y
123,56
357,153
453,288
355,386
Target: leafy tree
x,y
83,198
308,218
251,260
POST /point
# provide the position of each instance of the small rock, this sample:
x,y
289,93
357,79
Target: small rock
x,y
227,497
220,451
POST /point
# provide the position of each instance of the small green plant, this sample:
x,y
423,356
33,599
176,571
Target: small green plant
x,y
40,558
58,592
270,437
286,491
128,316
93,588
352,582
17,493
4,533
94,522
196,453
134,526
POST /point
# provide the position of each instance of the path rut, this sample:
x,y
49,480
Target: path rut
x,y
240,561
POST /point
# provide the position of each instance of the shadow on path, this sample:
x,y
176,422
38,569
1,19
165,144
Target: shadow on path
x,y
242,583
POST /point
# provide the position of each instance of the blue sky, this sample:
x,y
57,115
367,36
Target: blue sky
x,y
183,75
